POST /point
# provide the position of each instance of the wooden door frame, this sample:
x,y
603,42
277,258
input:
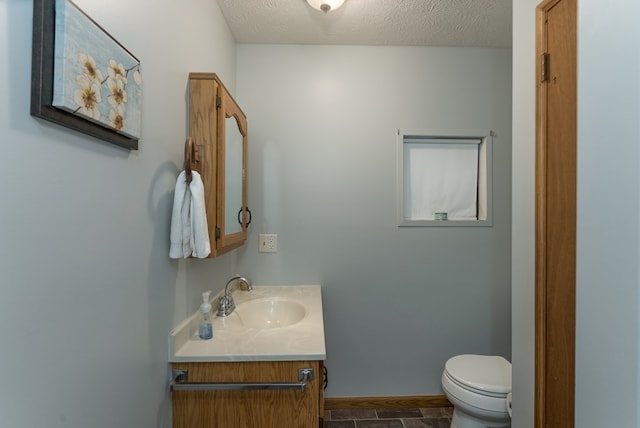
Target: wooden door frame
x,y
544,317
540,224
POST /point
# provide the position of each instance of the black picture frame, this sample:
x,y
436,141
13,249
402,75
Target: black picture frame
x,y
42,68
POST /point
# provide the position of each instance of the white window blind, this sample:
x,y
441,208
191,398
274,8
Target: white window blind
x,y
441,177
443,173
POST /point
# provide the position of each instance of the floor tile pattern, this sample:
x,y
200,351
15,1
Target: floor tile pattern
x,y
439,417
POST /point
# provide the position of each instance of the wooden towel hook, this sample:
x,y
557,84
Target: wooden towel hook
x,y
189,155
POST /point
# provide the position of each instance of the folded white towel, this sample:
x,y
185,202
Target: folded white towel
x,y
199,231
180,196
185,223
189,233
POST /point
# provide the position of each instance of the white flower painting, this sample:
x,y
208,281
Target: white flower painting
x,y
94,76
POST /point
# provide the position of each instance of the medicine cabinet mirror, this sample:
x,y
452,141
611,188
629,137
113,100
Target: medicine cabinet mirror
x,y
218,128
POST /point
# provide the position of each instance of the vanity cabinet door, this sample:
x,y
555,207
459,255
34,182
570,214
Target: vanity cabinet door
x,y
249,408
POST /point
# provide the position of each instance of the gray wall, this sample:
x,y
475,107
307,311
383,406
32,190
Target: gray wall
x,y
607,333
89,294
523,244
607,364
88,291
398,302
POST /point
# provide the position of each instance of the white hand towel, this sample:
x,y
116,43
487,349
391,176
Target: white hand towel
x,y
185,223
199,231
181,200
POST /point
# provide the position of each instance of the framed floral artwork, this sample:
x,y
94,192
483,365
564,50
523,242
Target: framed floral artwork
x,y
82,78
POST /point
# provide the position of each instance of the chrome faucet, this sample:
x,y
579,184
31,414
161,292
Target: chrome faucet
x,y
226,305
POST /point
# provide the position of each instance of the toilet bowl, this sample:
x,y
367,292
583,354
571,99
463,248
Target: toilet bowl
x,y
477,386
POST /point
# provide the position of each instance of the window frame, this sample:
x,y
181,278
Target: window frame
x,y
485,174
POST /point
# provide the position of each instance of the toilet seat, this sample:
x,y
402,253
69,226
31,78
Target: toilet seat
x,y
479,381
484,374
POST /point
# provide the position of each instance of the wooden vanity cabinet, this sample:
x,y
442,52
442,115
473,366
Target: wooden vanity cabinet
x,y
249,408
218,129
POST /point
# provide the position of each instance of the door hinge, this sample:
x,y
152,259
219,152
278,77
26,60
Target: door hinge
x,y
217,233
218,101
544,67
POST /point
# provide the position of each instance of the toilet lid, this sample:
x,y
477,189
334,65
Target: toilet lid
x,y
481,372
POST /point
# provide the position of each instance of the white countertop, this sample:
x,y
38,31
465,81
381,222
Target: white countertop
x,y
232,341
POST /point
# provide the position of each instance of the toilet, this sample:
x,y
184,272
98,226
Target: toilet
x,y
479,387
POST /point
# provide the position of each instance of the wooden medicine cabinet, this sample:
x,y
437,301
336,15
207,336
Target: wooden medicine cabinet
x,y
218,129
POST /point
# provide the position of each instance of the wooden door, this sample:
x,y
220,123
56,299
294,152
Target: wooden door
x,y
556,150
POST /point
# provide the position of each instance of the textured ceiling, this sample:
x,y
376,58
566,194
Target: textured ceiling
x,y
485,23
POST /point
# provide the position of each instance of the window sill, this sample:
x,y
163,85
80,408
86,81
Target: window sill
x,y
445,223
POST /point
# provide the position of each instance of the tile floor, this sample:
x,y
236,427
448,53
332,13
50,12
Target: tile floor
x,y
439,417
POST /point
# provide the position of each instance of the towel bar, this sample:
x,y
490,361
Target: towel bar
x,y
179,383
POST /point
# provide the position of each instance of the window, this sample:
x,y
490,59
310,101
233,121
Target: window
x,y
444,178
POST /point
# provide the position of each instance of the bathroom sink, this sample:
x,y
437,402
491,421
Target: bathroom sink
x,y
269,323
269,312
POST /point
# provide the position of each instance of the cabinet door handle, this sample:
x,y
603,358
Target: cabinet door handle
x,y
240,216
179,382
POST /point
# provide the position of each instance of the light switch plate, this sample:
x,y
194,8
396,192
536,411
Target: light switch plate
x,y
268,243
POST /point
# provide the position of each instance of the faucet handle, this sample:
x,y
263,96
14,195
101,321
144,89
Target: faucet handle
x,y
226,305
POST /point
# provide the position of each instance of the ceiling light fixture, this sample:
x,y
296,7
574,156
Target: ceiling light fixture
x,y
325,5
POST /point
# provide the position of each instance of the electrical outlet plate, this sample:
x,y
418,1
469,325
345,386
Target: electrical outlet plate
x,y
268,243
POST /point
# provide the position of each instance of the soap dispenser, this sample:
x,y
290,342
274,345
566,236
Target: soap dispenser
x,y
205,329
